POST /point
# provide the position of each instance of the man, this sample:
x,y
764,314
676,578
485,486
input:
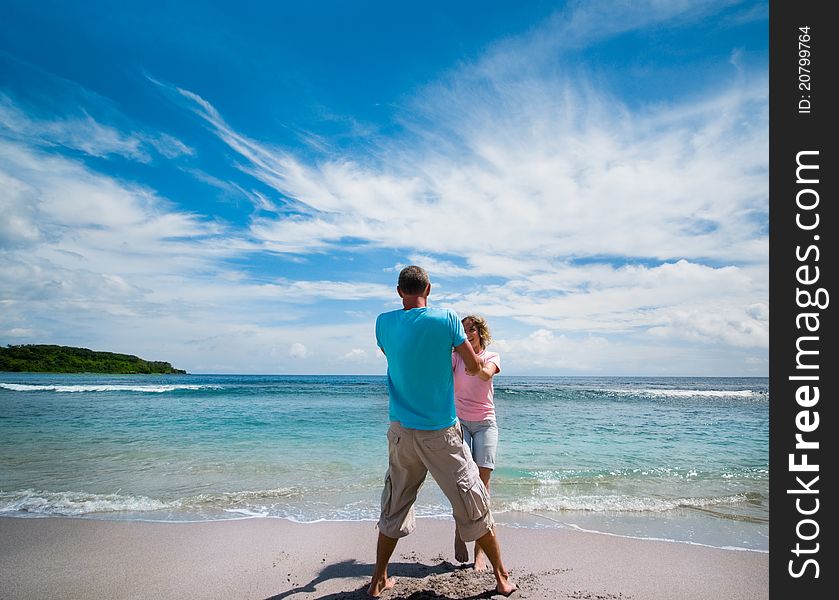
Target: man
x,y
424,432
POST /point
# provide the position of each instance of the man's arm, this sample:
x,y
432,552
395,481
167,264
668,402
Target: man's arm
x,y
488,369
470,359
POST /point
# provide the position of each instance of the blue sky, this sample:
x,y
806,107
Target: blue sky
x,y
233,187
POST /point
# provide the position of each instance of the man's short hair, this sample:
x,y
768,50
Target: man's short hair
x,y
413,280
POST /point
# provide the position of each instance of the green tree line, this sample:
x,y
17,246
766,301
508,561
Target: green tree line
x,y
66,359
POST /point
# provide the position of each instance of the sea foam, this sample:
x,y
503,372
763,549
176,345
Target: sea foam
x,y
150,389
75,504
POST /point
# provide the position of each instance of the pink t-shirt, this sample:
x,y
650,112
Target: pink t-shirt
x,y
474,398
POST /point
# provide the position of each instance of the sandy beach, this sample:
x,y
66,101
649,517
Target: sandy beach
x,y
274,559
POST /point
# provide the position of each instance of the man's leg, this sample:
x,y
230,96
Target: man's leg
x,y
461,552
489,544
381,582
405,475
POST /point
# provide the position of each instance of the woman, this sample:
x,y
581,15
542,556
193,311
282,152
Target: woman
x,y
474,399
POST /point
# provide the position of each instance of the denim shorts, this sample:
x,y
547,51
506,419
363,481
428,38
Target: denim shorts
x,y
481,437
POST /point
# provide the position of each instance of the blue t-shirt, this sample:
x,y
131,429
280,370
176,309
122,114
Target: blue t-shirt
x,y
418,346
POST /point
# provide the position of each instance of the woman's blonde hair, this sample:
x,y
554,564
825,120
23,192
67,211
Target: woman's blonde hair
x,y
482,327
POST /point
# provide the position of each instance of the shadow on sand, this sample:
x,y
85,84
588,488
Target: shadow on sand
x,y
353,568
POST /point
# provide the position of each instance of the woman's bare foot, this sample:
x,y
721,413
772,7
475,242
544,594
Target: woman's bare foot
x,y
506,589
461,552
378,587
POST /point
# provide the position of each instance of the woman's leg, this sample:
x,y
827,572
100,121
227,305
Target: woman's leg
x,y
484,444
480,557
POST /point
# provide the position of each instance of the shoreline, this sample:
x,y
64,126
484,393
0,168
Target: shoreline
x,y
243,516
268,558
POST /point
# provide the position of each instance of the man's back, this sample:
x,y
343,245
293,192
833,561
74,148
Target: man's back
x,y
418,345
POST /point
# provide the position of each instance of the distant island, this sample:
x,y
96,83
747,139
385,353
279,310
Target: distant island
x,y
36,358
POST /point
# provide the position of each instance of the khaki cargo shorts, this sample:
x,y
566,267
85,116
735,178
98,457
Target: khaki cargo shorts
x,y
412,453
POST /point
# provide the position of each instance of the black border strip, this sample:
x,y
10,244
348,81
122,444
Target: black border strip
x,y
802,261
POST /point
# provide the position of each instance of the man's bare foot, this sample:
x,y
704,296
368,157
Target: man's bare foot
x,y
480,559
461,552
378,587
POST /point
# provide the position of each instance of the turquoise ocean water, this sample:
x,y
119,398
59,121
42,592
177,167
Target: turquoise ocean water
x,y
682,459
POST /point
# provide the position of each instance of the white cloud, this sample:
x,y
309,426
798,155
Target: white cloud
x,y
168,146
298,350
545,350
100,220
18,332
602,299
734,326
18,218
355,355
85,134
